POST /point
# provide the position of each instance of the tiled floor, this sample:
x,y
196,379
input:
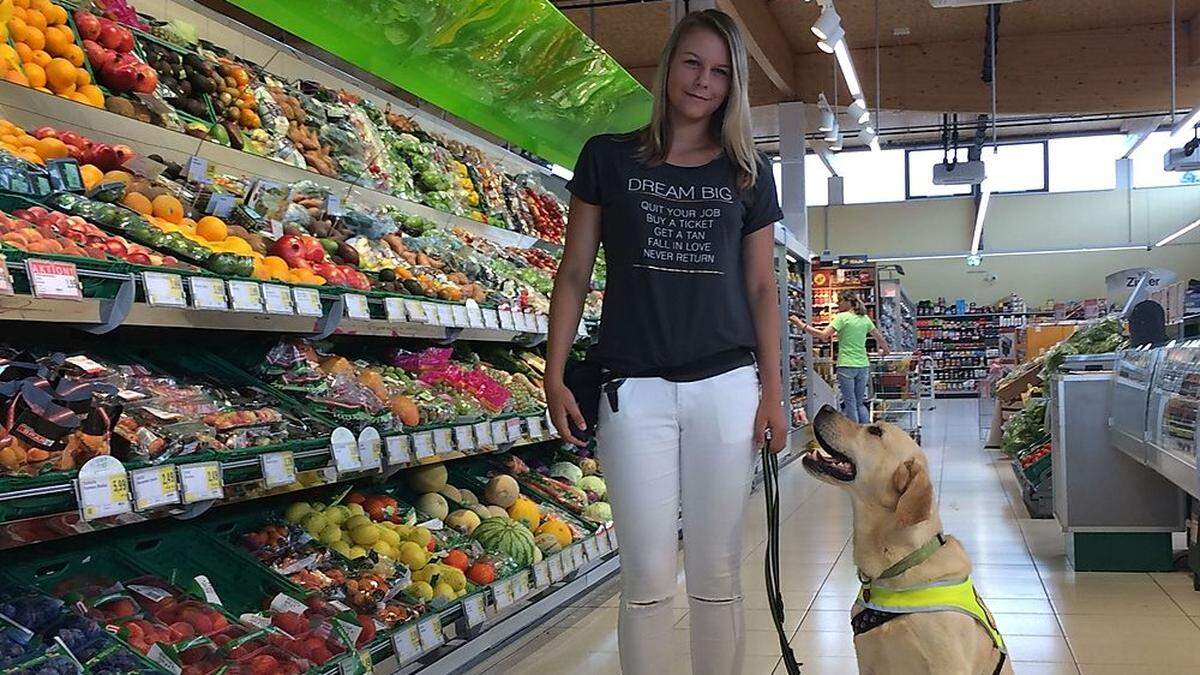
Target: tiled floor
x,y
1056,622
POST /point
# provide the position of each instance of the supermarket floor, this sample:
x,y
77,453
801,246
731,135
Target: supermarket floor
x,y
1056,622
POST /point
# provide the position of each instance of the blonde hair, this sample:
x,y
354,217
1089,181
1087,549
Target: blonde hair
x,y
730,124
856,304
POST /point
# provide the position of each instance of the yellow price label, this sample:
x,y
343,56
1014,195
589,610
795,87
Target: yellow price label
x,y
118,487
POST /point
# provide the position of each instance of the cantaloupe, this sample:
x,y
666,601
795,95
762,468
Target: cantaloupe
x,y
428,478
463,520
466,497
497,511
433,504
502,491
525,512
555,528
482,511
452,493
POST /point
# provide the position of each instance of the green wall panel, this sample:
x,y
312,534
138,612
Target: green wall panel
x,y
518,68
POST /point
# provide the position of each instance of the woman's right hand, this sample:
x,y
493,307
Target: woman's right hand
x,y
564,410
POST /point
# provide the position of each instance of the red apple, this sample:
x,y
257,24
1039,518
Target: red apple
x,y
126,44
73,138
104,156
88,24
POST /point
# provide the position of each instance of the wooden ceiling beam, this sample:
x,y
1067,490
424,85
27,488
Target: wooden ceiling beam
x,y
765,42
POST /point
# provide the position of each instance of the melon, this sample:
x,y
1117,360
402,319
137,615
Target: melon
x,y
497,511
566,471
466,497
547,543
482,511
508,537
556,528
537,555
452,493
502,491
428,478
433,504
464,520
527,513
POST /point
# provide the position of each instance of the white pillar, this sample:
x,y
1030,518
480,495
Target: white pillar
x,y
1124,173
791,174
837,190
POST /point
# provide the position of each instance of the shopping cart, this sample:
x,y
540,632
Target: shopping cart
x,y
897,391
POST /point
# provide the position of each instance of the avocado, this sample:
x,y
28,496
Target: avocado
x,y
387,275
195,108
413,286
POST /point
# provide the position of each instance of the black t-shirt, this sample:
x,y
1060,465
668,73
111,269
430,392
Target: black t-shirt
x,y
675,296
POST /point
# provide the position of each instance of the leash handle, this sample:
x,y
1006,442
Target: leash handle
x,y
770,464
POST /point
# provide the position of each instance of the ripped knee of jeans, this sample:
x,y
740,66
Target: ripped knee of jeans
x,y
640,603
716,601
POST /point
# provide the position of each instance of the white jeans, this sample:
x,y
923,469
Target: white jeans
x,y
671,444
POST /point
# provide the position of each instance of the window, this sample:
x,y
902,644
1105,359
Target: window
x,y
1019,167
872,176
816,181
920,174
1148,162
1085,162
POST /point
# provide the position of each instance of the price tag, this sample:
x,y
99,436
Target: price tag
x,y
286,604
278,299
483,435
406,642
491,319
52,279
464,439
555,565
246,295
590,550
499,432
357,307
197,169
475,609
398,451
443,441
521,320
422,445
543,323
278,468
208,293
521,585
370,448
474,315
220,204
445,315
504,594
535,427
430,310
430,631
415,309
394,307
344,447
154,487
506,320
461,319
550,430
333,206
541,574
307,301
6,286
160,659
164,290
103,488
514,429
210,593
201,482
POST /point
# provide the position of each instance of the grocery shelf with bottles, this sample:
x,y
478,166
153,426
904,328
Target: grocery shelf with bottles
x,y
797,352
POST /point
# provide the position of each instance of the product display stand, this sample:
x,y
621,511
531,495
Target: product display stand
x,y
962,346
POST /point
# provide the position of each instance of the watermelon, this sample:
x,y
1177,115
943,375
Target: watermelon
x,y
507,536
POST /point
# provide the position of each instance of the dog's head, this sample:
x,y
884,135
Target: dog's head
x,y
878,463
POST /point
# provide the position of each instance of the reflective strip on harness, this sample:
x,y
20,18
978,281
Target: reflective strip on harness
x,y
944,597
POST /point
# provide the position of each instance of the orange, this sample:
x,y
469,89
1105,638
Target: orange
x,y
34,37
238,245
168,208
35,75
82,78
27,141
10,56
24,53
55,15
18,12
23,4
91,175
35,19
119,176
56,42
17,26
80,98
74,54
136,201
39,57
51,148
212,229
60,75
30,155
93,93
278,266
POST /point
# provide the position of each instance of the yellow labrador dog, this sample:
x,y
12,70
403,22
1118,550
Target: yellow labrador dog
x,y
918,612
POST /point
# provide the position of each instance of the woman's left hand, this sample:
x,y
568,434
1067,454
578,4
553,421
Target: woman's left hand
x,y
770,417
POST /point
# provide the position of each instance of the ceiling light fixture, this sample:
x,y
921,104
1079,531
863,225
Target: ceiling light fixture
x,y
866,135
827,23
858,111
1005,254
843,57
835,37
1178,233
828,119
833,133
985,198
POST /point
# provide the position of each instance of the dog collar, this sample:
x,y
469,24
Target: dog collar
x,y
909,561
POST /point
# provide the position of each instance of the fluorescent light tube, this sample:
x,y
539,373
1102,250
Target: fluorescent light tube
x,y
985,199
1178,233
843,57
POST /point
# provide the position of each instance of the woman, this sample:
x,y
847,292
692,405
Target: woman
x,y
684,209
852,326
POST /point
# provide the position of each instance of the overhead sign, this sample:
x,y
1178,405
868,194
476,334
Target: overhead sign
x,y
1121,284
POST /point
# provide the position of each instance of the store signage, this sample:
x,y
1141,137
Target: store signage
x,y
464,439
370,448
541,574
6,286
513,429
577,556
308,301
394,308
854,259
344,447
247,295
430,632
506,320
475,609
202,481
220,204
590,550
197,169
53,279
333,206
64,175
555,565
483,435
357,307
154,487
278,299
415,309
164,290
461,319
602,544
406,643
535,427
102,488
430,310
144,166
543,323
443,441
612,538
1122,284
278,468
208,293
504,594
398,451
499,432
423,445
445,315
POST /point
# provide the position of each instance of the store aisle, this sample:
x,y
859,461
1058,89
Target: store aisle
x,y
1056,622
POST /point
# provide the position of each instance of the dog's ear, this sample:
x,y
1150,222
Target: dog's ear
x,y
916,493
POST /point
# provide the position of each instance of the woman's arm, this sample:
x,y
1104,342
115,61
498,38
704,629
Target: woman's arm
x,y
825,333
880,342
566,307
762,290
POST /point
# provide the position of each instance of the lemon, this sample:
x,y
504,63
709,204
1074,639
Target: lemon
x,y
315,523
425,573
331,535
356,509
443,590
337,514
365,535
412,555
382,548
422,536
405,531
341,547
390,537
296,512
356,552
354,522
421,589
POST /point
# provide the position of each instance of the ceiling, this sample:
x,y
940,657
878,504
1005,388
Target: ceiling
x,y
1057,60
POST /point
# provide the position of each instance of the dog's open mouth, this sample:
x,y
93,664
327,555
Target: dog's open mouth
x,y
826,460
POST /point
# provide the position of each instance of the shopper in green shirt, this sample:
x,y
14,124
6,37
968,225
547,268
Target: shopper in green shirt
x,y
852,326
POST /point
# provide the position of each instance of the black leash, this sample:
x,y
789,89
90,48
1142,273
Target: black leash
x,y
771,560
